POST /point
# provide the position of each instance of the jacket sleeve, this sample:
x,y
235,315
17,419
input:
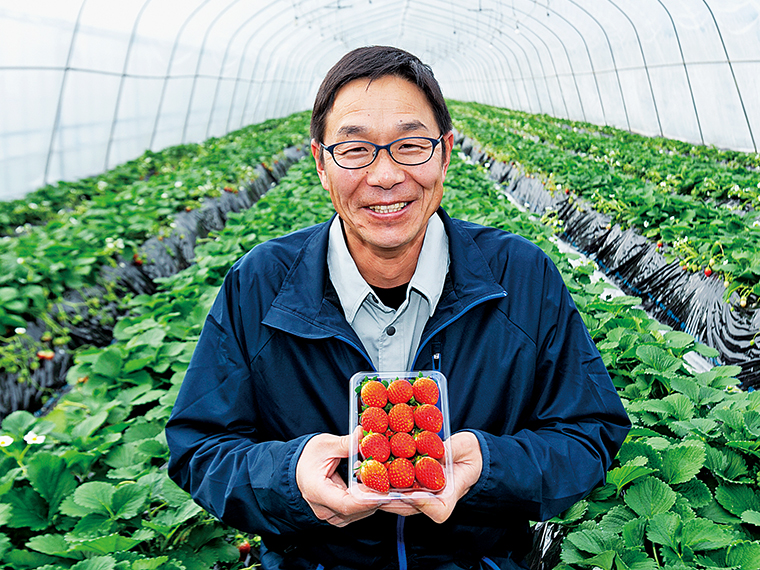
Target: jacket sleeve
x,y
217,453
572,429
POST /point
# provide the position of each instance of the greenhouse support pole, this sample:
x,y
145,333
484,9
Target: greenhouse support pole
x,y
686,70
121,82
733,75
58,110
169,68
646,67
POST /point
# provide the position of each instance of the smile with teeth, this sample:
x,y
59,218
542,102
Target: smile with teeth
x,y
389,209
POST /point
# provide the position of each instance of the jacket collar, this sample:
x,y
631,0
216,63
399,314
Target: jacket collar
x,y
307,305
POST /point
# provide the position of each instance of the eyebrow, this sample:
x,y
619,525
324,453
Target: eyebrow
x,y
406,127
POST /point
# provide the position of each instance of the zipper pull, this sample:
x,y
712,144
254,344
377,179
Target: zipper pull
x,y
437,355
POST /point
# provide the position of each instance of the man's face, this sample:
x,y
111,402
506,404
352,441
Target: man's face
x,y
385,206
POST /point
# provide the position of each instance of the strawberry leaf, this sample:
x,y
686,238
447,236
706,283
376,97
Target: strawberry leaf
x,y
682,462
650,497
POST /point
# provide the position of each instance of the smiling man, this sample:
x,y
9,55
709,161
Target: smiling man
x,y
391,283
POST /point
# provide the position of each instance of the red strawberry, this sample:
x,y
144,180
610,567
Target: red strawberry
x,y
401,418
430,473
708,271
374,419
401,473
376,446
428,443
374,394
374,475
245,549
425,391
402,445
428,417
400,392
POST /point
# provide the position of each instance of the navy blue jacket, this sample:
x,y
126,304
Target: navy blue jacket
x,y
272,366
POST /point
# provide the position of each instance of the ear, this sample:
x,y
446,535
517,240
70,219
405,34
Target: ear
x,y
316,152
448,140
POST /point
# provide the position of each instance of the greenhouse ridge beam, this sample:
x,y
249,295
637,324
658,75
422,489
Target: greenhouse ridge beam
x,y
105,84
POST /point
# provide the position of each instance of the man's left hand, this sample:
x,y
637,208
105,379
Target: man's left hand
x,y
467,462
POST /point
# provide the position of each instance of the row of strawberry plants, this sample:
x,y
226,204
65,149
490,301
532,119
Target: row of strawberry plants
x,y
700,234
683,168
92,469
33,357
121,209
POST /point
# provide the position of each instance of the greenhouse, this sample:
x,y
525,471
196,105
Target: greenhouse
x,y
148,145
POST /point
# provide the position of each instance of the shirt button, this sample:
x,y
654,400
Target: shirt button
x,y
390,331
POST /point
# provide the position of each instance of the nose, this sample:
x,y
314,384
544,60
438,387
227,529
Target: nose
x,y
384,171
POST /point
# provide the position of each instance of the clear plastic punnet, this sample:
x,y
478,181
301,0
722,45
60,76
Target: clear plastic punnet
x,y
400,450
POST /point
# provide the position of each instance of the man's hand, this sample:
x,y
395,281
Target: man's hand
x,y
321,487
468,464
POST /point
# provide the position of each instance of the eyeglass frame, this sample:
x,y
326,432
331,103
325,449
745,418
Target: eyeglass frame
x,y
378,148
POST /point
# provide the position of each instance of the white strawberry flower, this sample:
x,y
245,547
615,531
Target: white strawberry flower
x,y
34,439
5,440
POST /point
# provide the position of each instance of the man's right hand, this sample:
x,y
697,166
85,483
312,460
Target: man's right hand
x,y
322,487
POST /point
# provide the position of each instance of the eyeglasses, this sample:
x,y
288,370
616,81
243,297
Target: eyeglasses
x,y
408,151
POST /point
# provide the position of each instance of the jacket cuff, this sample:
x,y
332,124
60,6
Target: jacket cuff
x,y
301,509
485,471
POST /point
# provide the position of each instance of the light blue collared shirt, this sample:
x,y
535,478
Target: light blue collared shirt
x,y
370,318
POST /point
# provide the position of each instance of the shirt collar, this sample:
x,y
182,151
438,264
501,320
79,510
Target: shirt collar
x,y
428,278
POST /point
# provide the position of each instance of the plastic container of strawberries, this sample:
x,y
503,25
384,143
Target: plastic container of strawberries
x,y
415,492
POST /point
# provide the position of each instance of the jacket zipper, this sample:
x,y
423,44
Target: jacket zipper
x,y
400,545
360,349
437,355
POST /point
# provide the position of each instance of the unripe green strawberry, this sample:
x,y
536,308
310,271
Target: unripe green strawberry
x,y
402,445
374,475
401,473
374,394
375,446
429,473
425,391
374,419
401,418
400,391
428,443
428,417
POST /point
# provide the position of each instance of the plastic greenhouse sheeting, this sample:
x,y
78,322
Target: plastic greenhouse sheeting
x,y
89,84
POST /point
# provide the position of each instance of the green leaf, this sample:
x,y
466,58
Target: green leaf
x,y
635,560
702,534
5,513
629,472
726,464
632,449
616,518
108,544
95,495
53,544
18,423
150,563
108,363
687,387
29,509
5,545
152,337
633,532
665,528
658,360
128,500
751,517
92,525
23,559
650,497
88,426
746,555
574,513
696,492
683,461
50,477
96,563
737,498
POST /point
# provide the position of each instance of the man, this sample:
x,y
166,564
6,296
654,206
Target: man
x,y
258,432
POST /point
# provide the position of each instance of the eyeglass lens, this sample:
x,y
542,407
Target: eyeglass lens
x,y
409,152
